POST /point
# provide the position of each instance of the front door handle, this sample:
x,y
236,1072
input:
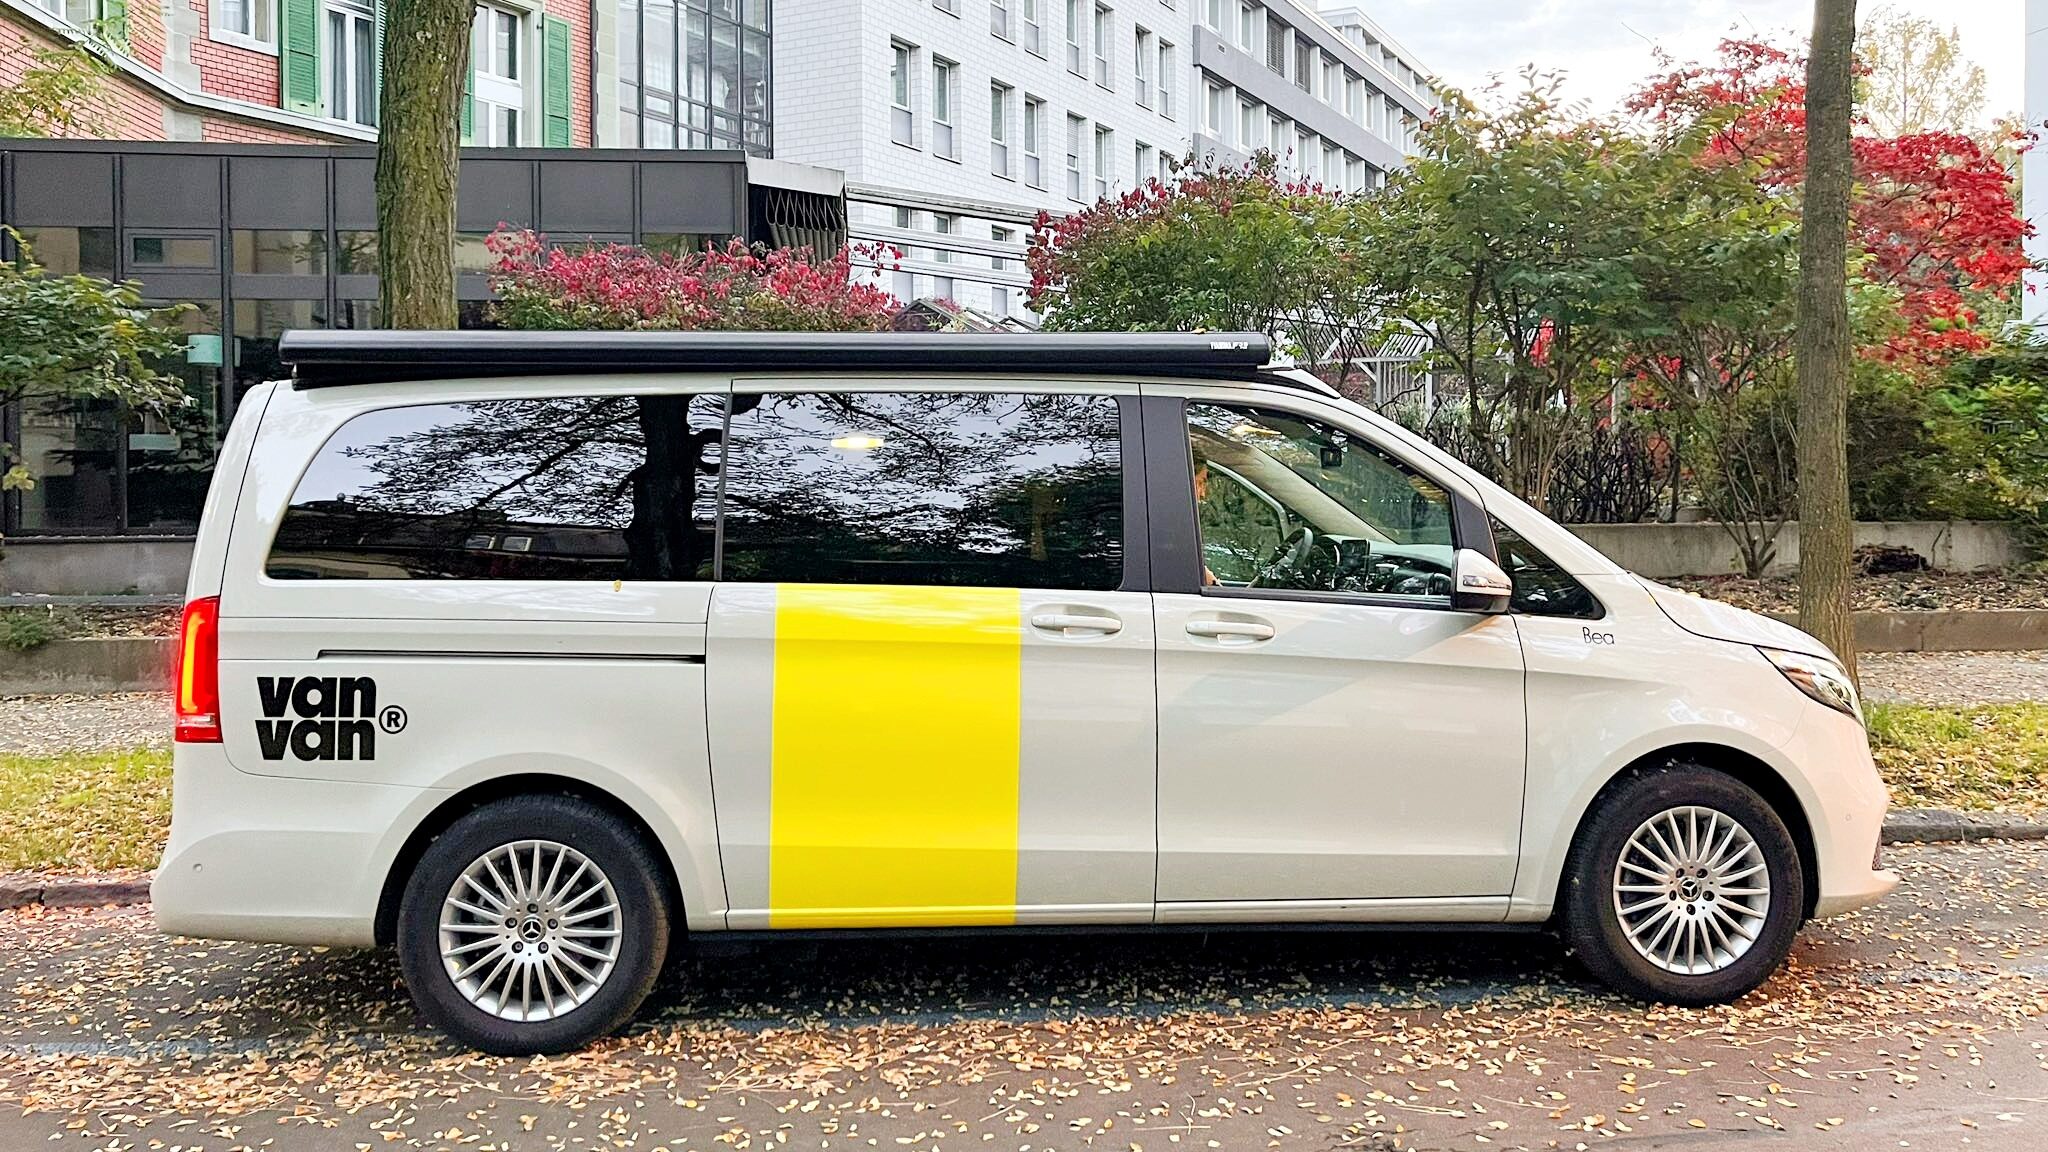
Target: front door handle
x,y
1241,630
1069,623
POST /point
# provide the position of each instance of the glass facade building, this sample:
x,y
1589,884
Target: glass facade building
x,y
251,240
696,74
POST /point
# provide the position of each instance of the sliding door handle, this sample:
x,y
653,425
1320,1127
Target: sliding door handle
x,y
1068,623
1234,629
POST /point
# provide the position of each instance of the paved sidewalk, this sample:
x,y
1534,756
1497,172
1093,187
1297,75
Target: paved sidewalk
x,y
1954,678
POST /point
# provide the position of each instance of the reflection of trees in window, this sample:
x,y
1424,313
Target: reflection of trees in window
x,y
557,488
946,489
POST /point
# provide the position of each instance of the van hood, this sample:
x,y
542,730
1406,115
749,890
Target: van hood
x,y
1717,621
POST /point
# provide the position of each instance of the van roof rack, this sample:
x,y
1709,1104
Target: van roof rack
x,y
324,358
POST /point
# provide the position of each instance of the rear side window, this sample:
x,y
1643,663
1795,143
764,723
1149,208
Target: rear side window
x,y
565,488
1003,490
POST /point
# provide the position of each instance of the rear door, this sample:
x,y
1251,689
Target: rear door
x,y
431,592
930,657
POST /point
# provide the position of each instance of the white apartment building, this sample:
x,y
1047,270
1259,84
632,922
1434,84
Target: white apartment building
x,y
957,121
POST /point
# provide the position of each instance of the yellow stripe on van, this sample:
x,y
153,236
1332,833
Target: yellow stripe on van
x,y
896,729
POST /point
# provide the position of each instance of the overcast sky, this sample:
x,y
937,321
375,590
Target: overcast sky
x,y
1605,46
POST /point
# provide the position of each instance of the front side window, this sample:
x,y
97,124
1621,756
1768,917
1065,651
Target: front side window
x,y
1541,587
1287,502
569,488
980,490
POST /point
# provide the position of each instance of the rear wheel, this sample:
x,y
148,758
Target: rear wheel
x,y
1684,887
533,924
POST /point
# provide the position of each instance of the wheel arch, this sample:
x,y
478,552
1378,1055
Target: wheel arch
x,y
498,788
1746,769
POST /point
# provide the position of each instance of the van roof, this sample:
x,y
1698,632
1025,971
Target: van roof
x,y
322,358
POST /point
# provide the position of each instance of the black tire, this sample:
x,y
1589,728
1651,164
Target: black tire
x,y
1592,925
613,845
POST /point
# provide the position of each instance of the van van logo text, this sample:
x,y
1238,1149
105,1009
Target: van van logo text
x,y
322,717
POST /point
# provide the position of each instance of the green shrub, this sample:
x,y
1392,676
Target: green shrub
x,y
23,629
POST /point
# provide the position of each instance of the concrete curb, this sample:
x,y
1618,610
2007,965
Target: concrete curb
x,y
94,664
69,892
1947,630
1942,826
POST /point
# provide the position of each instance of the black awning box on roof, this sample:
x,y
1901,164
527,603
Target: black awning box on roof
x,y
329,358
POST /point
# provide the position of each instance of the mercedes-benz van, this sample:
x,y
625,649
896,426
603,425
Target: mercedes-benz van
x,y
532,654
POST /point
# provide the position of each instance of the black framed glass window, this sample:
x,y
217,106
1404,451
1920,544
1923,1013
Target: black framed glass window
x,y
258,324
71,251
280,252
696,74
173,252
171,454
954,489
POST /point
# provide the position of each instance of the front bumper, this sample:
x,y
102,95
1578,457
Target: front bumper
x,y
1845,809
271,858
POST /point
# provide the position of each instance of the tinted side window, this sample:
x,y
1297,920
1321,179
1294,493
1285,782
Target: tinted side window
x,y
1004,491
570,488
1541,587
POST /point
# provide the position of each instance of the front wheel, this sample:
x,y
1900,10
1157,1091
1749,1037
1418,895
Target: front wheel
x,y
1684,887
533,924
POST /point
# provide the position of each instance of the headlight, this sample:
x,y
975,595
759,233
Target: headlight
x,y
1821,679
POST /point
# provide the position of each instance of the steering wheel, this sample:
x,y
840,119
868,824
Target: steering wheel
x,y
1295,558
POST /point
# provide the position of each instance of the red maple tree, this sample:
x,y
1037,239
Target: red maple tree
x,y
1934,211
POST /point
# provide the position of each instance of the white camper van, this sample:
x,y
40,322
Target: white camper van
x,y
531,654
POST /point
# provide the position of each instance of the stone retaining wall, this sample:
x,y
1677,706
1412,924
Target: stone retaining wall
x,y
1660,551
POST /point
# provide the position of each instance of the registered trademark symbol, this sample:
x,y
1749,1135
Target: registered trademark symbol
x,y
392,718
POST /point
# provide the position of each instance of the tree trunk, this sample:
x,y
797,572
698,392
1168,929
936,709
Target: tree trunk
x,y
426,59
1825,541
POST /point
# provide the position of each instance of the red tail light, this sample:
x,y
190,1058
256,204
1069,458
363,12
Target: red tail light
x,y
198,678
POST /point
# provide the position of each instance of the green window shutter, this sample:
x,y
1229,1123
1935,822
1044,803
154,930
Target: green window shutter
x,y
377,73
469,92
555,83
114,22
299,56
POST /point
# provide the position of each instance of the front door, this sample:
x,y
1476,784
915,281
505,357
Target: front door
x,y
1330,730
930,660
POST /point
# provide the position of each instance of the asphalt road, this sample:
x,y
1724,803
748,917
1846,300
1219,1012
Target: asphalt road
x,y
1922,1024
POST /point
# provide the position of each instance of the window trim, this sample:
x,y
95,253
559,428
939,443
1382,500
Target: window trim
x,y
1176,542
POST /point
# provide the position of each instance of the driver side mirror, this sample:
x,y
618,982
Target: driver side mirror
x,y
1478,584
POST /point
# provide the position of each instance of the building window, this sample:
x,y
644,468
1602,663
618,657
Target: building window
x,y
1305,153
1333,82
999,18
944,74
1166,167
998,295
1034,142
1105,161
999,130
1166,79
498,47
78,13
1141,45
906,282
1141,161
696,75
946,6
1034,32
348,52
1105,25
902,122
1333,168
1247,125
942,286
1074,37
166,252
1354,99
1076,127
1276,44
1304,63
248,21
1216,16
1247,25
1276,137
1212,109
